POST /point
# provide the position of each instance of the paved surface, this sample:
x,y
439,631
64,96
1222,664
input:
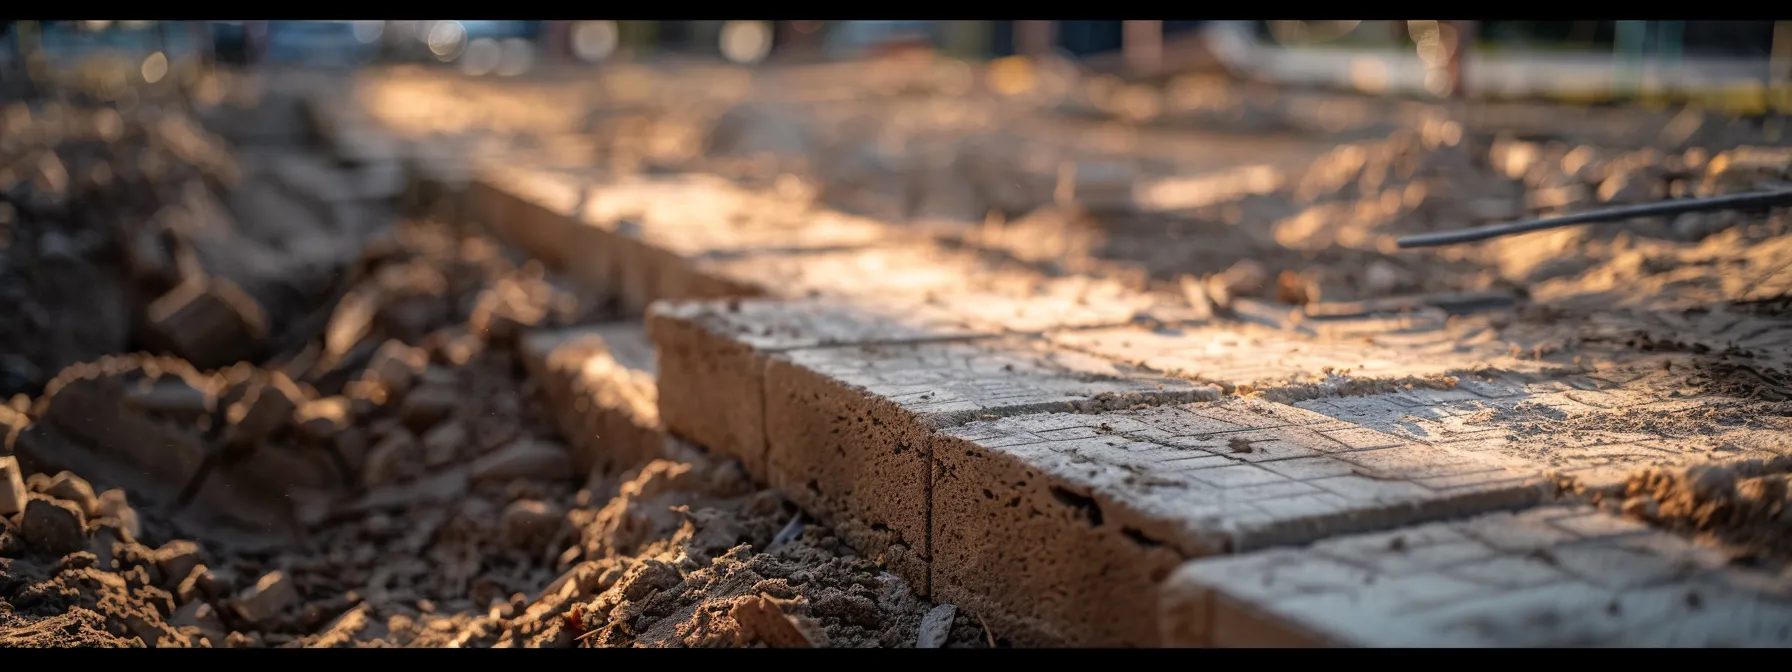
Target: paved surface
x,y
1556,576
1055,451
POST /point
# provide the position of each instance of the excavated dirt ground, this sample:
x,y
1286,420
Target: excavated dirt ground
x,y
466,526
677,553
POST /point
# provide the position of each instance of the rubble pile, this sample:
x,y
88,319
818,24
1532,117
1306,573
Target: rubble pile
x,y
142,230
396,483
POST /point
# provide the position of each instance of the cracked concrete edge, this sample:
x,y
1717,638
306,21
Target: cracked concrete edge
x,y
839,421
1307,471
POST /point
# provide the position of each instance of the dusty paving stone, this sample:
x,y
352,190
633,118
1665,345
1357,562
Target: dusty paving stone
x,y
668,247
642,237
711,353
600,382
712,356
1042,521
777,386
532,211
1596,427
1548,577
209,321
847,428
1233,354
975,292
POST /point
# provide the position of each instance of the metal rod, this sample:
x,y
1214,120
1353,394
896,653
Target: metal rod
x,y
1761,199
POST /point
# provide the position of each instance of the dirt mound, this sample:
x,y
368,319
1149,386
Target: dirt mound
x,y
393,483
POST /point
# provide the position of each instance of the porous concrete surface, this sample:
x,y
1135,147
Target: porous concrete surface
x,y
847,429
1553,576
891,386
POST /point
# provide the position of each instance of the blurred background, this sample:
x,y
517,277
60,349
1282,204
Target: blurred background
x,y
1741,65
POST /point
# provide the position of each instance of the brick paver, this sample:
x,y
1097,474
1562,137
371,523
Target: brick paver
x,y
1546,577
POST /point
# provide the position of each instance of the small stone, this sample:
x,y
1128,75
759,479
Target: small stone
x,y
105,538
193,585
529,523
238,640
427,406
266,408
442,444
323,419
386,461
502,313
177,559
209,322
74,489
54,527
174,398
936,626
763,620
395,366
218,584
265,600
528,459
151,632
199,614
112,504
13,493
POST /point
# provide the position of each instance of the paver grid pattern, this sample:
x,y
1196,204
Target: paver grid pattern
x,y
889,390
1546,577
814,401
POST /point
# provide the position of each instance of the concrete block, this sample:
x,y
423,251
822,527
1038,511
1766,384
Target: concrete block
x,y
712,357
1054,525
130,444
975,293
1597,436
848,428
209,322
1556,576
1242,354
696,237
906,273
643,238
599,382
531,210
